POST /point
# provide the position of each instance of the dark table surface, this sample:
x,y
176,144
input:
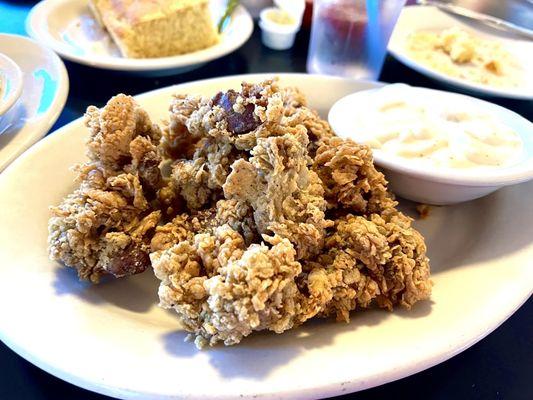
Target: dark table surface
x,y
498,367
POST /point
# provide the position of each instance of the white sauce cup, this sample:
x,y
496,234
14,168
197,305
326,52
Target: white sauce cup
x,y
440,186
278,36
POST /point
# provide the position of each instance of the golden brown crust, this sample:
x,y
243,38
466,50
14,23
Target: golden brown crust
x,y
301,189
105,226
268,219
156,28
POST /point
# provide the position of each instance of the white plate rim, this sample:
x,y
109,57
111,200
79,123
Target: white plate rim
x,y
331,389
518,173
397,52
36,28
56,106
14,74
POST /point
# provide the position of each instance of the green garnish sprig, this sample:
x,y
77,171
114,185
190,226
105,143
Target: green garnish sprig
x,y
230,7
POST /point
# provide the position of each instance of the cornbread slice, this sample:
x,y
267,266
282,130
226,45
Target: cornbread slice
x,y
156,28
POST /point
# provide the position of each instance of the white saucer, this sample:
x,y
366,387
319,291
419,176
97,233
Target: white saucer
x,y
112,338
10,83
68,27
417,18
45,89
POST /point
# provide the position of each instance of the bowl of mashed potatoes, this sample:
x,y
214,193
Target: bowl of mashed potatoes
x,y
438,147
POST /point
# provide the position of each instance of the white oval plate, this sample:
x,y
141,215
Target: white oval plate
x,y
417,18
114,339
10,83
44,92
68,27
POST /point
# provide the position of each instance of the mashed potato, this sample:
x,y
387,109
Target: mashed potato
x,y
462,55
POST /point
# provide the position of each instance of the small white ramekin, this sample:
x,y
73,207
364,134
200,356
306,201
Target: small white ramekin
x,y
278,36
441,186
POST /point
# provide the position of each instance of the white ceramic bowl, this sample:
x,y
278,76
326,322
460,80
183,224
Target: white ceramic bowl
x,y
277,39
439,186
11,82
277,36
45,88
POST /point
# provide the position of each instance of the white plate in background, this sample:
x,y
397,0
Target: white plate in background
x,y
427,18
10,83
68,27
44,92
112,338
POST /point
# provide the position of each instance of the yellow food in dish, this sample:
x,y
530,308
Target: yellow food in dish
x,y
462,55
156,28
280,17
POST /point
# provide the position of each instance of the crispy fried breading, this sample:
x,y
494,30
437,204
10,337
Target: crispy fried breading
x,y
105,226
349,177
380,257
113,128
287,198
266,218
184,226
223,290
